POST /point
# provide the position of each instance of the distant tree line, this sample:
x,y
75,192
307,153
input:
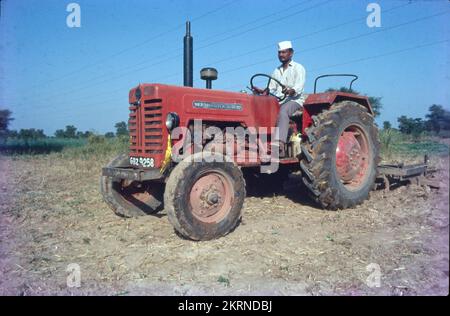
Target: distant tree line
x,y
70,131
436,122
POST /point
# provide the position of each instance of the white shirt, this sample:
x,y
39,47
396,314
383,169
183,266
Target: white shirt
x,y
293,77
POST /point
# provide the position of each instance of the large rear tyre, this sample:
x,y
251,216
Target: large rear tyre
x,y
204,199
340,156
130,198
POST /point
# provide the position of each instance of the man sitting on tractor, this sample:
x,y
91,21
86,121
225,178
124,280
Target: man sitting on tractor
x,y
292,75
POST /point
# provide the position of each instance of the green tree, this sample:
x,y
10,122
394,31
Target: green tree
x,y
109,135
438,118
387,125
405,124
121,129
31,133
86,134
375,102
12,134
69,132
60,133
5,119
411,126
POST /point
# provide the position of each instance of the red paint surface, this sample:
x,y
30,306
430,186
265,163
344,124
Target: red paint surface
x,y
148,133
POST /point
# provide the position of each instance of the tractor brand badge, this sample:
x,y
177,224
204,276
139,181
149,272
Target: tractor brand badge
x,y
217,105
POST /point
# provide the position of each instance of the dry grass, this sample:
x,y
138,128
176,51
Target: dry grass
x,y
53,215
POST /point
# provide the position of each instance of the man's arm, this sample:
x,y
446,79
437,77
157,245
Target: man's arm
x,y
299,80
274,87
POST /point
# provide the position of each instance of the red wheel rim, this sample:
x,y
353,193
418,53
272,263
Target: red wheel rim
x,y
211,197
353,157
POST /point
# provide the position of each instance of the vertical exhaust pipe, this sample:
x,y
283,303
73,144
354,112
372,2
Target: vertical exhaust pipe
x,y
187,59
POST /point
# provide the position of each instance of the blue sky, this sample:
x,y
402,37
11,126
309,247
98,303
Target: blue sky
x,y
52,75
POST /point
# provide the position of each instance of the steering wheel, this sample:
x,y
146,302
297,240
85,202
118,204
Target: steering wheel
x,y
252,86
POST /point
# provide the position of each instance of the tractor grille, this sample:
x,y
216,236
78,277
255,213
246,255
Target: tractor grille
x,y
145,126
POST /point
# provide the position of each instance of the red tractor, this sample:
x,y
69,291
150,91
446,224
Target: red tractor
x,y
333,143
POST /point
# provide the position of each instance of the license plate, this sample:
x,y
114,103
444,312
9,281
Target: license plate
x,y
142,162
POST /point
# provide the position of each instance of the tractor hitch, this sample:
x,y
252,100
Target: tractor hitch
x,y
397,173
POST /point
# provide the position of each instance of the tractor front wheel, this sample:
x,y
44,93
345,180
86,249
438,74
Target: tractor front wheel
x,y
204,199
340,156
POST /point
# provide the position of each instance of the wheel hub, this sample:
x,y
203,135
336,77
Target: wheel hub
x,y
211,197
351,157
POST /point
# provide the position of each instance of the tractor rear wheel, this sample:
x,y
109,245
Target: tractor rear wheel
x,y
204,199
130,198
340,156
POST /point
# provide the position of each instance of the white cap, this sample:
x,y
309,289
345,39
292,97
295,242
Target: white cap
x,y
284,45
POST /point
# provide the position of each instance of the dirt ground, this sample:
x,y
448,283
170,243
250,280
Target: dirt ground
x,y
52,215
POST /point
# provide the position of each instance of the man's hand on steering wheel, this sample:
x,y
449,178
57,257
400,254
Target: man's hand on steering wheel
x,y
266,91
288,91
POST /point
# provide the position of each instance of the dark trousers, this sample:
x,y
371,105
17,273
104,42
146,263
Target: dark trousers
x,y
286,110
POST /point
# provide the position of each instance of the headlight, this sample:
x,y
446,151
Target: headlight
x,y
172,121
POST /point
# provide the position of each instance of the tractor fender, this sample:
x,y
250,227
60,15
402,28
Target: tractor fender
x,y
336,96
319,102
